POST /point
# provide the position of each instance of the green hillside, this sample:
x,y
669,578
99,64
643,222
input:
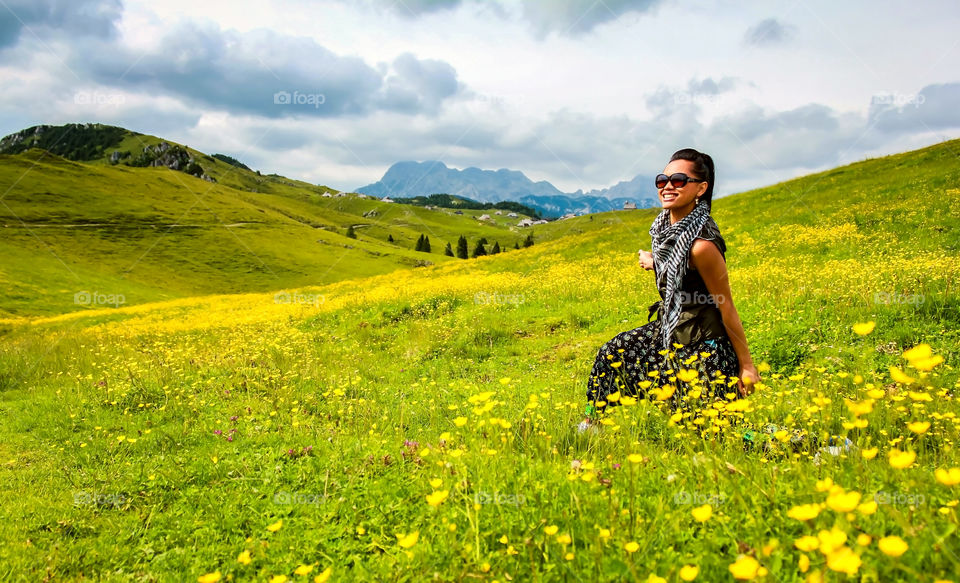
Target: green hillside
x,y
419,424
152,233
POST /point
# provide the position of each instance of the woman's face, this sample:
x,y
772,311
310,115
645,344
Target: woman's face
x,y
678,198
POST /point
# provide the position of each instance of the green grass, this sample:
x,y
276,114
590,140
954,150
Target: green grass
x,y
112,467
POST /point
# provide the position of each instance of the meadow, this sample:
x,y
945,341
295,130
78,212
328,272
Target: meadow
x,y
420,424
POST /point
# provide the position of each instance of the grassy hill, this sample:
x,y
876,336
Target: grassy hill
x,y
419,424
149,234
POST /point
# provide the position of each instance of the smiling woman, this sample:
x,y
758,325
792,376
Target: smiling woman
x,y
698,330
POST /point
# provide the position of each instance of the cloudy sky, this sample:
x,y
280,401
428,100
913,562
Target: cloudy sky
x,y
583,93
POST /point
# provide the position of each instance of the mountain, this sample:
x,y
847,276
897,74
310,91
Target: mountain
x,y
411,179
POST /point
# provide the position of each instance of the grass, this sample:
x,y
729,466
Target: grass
x,y
168,441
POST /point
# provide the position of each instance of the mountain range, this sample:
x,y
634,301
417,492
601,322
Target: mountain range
x,y
409,179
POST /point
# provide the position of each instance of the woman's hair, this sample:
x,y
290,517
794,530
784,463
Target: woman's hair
x,y
703,166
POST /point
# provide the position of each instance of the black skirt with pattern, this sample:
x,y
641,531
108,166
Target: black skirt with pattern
x,y
626,361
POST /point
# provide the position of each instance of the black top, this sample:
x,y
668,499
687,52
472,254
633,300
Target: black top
x,y
692,285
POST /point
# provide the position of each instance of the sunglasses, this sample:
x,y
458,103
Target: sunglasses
x,y
678,180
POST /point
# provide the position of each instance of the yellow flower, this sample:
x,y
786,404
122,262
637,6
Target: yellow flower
x,y
568,556
804,511
844,560
864,328
613,397
804,563
437,498
864,540
824,484
278,579
504,540
408,540
918,352
919,427
745,568
635,458
209,577
324,576
244,558
892,546
436,483
654,578
276,526
628,401
949,477
604,533
831,540
460,421
689,572
807,543
867,508
564,539
899,376
926,363
631,547
869,454
901,459
843,501
702,513
687,375
551,530
303,570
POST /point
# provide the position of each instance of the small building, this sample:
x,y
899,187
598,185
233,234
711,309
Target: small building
x,y
525,223
327,195
498,213
567,216
386,199
629,206
483,217
513,215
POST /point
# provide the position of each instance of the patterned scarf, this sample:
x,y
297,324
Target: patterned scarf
x,y
671,250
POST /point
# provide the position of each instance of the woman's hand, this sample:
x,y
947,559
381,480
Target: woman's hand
x,y
748,377
646,259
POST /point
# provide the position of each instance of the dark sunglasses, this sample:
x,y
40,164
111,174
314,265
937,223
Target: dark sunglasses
x,y
678,180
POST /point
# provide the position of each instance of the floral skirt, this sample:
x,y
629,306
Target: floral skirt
x,y
624,364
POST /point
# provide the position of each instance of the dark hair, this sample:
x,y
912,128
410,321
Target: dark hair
x,y
703,166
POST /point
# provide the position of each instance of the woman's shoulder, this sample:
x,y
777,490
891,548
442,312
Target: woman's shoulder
x,y
711,232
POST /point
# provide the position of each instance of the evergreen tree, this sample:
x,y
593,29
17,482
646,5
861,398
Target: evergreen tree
x,y
483,240
448,251
462,247
528,241
426,244
350,232
496,248
390,238
479,250
516,245
419,246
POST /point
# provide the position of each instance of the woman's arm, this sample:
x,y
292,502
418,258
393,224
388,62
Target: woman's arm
x,y
706,258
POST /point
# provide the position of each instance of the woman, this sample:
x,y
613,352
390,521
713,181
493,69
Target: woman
x,y
696,307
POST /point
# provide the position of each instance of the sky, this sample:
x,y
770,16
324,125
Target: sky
x,y
582,93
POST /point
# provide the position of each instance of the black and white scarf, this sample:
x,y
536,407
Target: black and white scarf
x,y
671,250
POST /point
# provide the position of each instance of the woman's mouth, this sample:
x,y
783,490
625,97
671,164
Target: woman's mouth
x,y
668,198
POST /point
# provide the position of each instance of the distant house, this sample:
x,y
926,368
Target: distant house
x,y
339,194
540,222
386,199
568,216
327,195
498,213
513,215
629,206
483,217
361,195
525,223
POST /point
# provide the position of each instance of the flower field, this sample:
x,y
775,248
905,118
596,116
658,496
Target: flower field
x,y
420,425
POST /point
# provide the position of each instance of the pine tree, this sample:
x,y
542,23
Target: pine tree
x,y
390,238
350,232
528,242
419,246
479,250
516,245
448,251
496,248
462,247
426,244
483,240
